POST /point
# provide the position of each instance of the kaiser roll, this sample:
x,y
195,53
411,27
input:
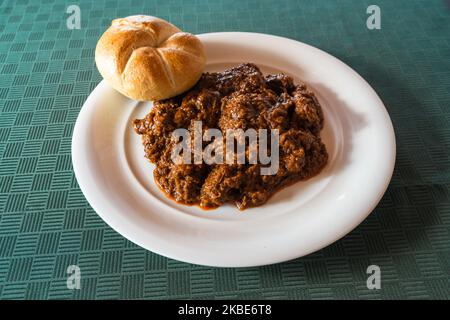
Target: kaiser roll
x,y
147,58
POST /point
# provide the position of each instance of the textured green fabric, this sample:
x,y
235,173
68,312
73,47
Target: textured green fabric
x,y
47,71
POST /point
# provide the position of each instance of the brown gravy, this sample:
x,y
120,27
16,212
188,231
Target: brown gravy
x,y
238,98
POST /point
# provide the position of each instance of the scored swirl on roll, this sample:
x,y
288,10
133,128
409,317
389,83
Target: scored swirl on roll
x,y
147,58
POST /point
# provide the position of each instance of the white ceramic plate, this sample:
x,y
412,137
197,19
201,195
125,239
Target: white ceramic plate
x,y
109,164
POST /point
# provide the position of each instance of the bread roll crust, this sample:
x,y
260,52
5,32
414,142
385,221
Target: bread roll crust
x,y
147,58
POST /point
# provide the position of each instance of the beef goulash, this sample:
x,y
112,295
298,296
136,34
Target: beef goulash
x,y
241,97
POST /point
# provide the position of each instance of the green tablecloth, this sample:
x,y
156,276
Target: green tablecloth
x,y
47,71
